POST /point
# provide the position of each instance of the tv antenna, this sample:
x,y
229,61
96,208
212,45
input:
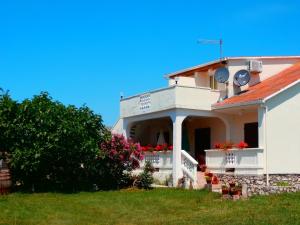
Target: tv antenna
x,y
213,42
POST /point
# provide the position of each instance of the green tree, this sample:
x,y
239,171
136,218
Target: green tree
x,y
8,110
55,145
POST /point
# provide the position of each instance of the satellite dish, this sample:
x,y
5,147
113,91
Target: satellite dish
x,y
221,75
241,78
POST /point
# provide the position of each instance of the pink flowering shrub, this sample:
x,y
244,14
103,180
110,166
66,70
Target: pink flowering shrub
x,y
118,157
123,152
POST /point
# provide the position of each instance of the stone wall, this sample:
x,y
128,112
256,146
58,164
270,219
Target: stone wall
x,y
257,185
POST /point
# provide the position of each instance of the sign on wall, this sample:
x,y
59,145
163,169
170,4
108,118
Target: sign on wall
x,y
145,102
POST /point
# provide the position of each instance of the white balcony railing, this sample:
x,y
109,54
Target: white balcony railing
x,y
168,98
160,160
244,162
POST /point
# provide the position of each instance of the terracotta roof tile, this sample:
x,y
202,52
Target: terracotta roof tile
x,y
265,88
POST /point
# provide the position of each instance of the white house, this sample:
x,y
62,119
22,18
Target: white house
x,y
205,105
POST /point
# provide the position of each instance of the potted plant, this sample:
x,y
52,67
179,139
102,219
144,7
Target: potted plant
x,y
208,177
231,184
214,180
225,190
217,146
226,146
239,190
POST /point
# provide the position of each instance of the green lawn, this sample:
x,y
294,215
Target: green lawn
x,y
158,206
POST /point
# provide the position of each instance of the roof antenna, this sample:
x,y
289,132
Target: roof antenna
x,y
213,42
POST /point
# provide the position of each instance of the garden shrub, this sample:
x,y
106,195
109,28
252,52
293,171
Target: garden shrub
x,y
118,157
145,179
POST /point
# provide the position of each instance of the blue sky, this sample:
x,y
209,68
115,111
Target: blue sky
x,y
90,51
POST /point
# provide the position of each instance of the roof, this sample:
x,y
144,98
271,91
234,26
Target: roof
x,y
264,89
189,71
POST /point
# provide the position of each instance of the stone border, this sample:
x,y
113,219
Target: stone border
x,y
256,185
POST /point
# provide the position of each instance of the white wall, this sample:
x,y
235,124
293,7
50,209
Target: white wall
x,y
183,81
283,132
218,130
237,125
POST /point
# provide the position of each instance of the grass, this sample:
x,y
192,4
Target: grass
x,y
159,206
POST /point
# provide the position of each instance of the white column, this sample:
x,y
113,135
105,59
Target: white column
x,y
261,127
262,137
177,137
126,128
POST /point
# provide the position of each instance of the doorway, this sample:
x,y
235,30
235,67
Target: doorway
x,y
202,142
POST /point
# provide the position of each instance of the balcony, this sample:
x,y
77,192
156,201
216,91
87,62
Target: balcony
x,y
247,161
172,97
159,160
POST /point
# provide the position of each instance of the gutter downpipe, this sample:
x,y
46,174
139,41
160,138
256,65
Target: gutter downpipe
x,y
265,142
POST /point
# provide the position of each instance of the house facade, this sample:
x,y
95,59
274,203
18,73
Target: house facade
x,y
200,115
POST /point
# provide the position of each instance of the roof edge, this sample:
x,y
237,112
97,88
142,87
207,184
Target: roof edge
x,y
281,90
169,75
227,106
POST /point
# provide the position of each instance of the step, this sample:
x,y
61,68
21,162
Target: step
x,y
201,181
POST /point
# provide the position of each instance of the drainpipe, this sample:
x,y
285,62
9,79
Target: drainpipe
x,y
265,142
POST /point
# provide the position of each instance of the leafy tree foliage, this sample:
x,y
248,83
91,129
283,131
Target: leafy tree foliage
x,y
51,145
8,110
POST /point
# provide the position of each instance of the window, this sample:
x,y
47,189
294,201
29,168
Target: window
x,y
251,134
213,84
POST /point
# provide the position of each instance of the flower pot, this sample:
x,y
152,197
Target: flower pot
x,y
232,185
208,181
225,191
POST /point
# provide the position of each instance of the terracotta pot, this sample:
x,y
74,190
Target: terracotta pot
x,y
225,191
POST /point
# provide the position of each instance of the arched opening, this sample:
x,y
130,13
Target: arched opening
x,y
152,132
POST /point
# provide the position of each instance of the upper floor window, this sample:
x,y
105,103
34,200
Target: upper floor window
x,y
213,84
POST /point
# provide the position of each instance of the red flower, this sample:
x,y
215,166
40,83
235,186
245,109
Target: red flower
x,y
215,180
170,147
159,148
217,145
208,174
145,148
242,145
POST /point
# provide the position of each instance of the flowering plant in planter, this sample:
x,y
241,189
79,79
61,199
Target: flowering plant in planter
x,y
242,145
228,145
225,190
215,180
157,148
208,177
217,146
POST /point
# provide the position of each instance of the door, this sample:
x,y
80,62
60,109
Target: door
x,y
202,142
251,134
